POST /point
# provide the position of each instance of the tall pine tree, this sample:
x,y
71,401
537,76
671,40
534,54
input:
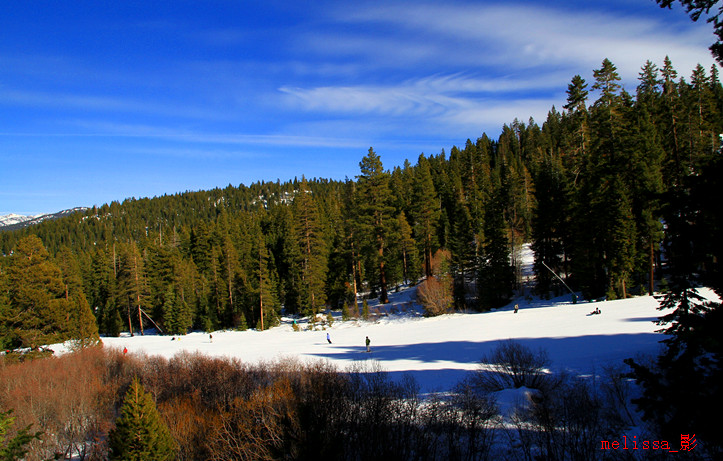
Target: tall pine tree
x,y
313,252
375,217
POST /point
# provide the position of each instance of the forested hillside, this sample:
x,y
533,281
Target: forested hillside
x,y
607,189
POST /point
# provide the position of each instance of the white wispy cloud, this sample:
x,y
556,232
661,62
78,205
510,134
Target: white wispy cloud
x,y
521,35
436,104
484,64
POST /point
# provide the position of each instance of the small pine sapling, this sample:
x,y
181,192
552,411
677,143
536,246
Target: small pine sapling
x,y
365,310
345,313
15,447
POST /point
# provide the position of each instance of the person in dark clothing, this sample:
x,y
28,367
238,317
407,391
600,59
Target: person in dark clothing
x,y
368,342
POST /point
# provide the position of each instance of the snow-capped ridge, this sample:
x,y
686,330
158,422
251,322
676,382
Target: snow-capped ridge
x,y
14,221
12,218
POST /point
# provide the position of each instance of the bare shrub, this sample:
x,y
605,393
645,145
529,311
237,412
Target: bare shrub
x,y
217,380
462,425
441,262
64,396
254,428
435,295
189,423
617,390
383,417
513,365
567,422
322,403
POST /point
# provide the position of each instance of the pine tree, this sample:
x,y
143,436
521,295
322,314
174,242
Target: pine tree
x,y
606,80
38,309
701,109
133,289
266,298
140,434
375,216
5,326
425,212
496,276
177,316
312,249
649,88
603,255
576,94
16,447
673,169
683,388
463,250
549,224
365,310
621,239
102,292
577,129
408,248
644,176
81,323
289,254
189,287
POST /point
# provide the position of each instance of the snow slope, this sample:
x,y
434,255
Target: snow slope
x,y
439,351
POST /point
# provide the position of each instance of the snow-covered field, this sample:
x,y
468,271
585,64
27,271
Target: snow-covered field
x,y
439,351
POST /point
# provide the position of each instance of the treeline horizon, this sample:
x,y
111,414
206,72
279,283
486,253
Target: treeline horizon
x,y
602,190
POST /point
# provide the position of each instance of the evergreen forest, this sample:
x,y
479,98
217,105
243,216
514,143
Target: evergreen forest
x,y
609,190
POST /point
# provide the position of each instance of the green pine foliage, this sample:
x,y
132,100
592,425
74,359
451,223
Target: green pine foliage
x,y
375,221
409,254
365,310
140,434
425,212
496,275
16,447
39,307
345,311
312,263
177,316
596,189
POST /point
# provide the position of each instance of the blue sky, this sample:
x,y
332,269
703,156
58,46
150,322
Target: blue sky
x,y
101,101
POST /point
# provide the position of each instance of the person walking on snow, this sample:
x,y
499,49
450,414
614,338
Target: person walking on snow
x,y
328,338
368,342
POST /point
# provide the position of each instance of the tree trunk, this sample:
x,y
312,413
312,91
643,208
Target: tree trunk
x,y
261,291
652,268
130,324
138,294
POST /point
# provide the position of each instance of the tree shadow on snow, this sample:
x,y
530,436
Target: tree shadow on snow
x,y
580,355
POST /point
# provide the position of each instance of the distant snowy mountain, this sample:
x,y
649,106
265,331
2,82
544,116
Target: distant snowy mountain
x,y
14,221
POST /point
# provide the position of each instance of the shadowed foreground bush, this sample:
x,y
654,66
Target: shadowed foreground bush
x,y
512,365
219,409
